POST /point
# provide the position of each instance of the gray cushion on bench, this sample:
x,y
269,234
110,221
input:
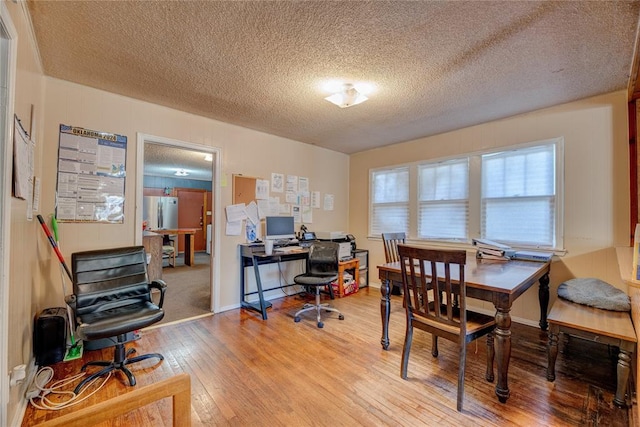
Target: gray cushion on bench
x,y
595,293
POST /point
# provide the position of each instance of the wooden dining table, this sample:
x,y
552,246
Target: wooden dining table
x,y
499,282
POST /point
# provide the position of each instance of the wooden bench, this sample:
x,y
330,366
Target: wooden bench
x,y
177,387
594,324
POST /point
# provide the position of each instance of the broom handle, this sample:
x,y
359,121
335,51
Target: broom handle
x,y
55,246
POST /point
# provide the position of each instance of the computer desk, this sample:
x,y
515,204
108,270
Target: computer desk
x,y
254,255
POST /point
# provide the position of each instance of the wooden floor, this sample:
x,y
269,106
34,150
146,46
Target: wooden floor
x,y
246,371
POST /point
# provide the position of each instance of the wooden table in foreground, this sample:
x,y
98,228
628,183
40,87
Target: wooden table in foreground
x,y
189,241
497,282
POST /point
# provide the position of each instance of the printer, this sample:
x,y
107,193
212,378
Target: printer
x,y
346,241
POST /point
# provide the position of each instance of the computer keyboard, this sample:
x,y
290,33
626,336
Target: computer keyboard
x,y
286,242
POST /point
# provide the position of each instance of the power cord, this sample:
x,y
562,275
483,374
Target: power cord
x,y
40,390
281,279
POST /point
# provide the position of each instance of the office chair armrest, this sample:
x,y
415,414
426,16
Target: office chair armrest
x,y
71,301
161,286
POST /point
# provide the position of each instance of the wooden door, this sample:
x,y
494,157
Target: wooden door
x,y
191,214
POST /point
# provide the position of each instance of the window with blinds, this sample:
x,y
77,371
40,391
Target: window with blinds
x,y
389,201
443,200
519,196
513,196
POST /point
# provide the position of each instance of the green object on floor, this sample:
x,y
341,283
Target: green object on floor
x,y
74,352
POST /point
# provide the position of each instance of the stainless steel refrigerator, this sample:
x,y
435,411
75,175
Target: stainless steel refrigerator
x,y
160,212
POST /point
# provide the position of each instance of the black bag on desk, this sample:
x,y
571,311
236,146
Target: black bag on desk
x,y
50,336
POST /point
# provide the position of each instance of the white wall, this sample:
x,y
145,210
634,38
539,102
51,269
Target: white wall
x,y
596,209
243,151
23,247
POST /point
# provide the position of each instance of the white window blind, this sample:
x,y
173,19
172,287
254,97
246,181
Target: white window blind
x,y
390,201
519,196
443,200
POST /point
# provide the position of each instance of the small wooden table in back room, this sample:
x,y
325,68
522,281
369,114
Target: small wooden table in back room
x,y
498,282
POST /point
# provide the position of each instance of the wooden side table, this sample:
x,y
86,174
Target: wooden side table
x,y
351,264
593,324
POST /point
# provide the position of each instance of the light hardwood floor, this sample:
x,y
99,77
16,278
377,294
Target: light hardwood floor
x,y
246,371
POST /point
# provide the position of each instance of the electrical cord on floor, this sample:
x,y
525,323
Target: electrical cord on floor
x,y
282,279
40,391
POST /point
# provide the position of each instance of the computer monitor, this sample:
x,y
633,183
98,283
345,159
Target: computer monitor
x,y
279,227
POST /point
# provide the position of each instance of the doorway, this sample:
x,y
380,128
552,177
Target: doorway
x,y
177,169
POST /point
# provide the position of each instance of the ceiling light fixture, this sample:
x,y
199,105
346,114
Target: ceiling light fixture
x,y
181,172
208,157
347,96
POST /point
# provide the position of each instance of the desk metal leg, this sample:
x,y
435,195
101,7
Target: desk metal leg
x,y
242,284
503,350
263,304
543,297
385,311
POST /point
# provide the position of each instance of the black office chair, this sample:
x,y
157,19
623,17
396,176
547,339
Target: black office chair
x,y
322,270
112,297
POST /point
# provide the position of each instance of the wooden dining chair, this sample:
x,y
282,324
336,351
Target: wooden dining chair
x,y
440,315
169,250
391,241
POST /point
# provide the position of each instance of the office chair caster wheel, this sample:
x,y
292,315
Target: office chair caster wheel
x,y
296,319
320,325
341,317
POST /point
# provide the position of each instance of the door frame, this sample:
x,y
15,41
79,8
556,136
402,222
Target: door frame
x,y
216,167
8,53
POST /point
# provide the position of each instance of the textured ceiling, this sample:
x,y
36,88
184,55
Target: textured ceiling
x,y
164,160
437,66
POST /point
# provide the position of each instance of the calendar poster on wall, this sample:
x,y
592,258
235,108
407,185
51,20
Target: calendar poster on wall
x,y
91,176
